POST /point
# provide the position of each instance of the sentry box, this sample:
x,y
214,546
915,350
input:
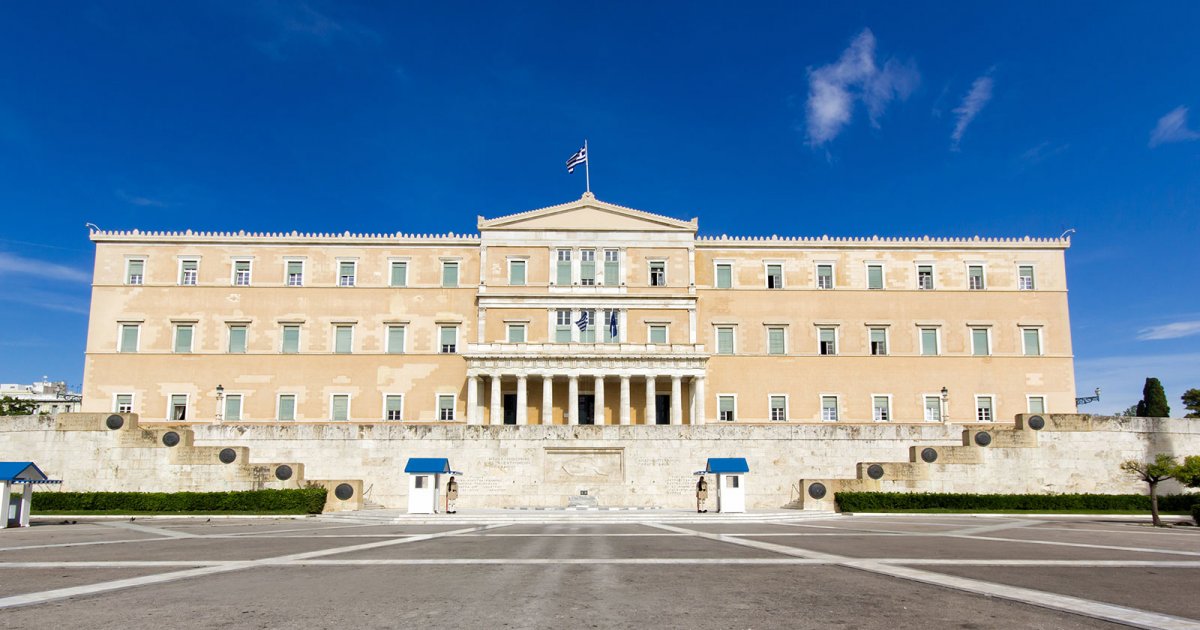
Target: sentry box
x,y
16,509
731,482
425,483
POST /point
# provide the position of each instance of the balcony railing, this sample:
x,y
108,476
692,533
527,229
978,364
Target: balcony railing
x,y
614,349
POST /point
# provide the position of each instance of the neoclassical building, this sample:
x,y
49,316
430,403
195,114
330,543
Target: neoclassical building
x,y
581,313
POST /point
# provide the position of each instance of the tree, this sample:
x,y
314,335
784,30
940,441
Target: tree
x,y
1162,469
1154,400
1130,412
1189,473
10,406
1191,400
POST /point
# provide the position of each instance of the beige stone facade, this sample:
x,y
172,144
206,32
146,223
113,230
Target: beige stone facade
x,y
484,329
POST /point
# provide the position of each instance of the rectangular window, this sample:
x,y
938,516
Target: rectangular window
x,y
881,408
1037,404
611,324
658,273
1032,340
725,340
183,338
233,407
339,407
778,408
395,339
983,408
775,340
829,408
449,274
135,271
587,267
449,338
562,326
563,270
393,407
123,403
287,407
588,333
879,342
1025,278
612,267
188,272
516,333
179,407
933,409
343,339
929,341
241,273
129,337
874,276
291,339
399,277
828,340
925,277
726,408
445,407
980,342
774,276
347,272
295,273
658,333
237,338
724,276
516,273
975,277
824,276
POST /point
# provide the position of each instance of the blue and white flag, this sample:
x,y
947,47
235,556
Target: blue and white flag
x,y
577,159
582,322
612,324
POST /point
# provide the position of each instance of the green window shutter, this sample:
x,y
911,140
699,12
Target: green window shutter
x,y
564,274
395,339
449,275
516,334
295,267
237,339
878,335
587,272
562,334
449,339
445,407
183,339
129,338
399,274
516,273
612,273
725,407
658,334
287,407
829,410
341,407
724,341
124,402
825,276
291,339
874,277
233,407
137,270
346,274
933,408
929,341
724,276
344,337
975,276
778,408
774,276
393,404
775,341
1033,342
1025,282
1037,404
178,410
979,341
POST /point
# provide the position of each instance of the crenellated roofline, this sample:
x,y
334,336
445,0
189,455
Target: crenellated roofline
x,y
296,237
882,242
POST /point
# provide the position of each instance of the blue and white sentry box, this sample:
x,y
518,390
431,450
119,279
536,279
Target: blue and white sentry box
x,y
731,482
425,482
17,508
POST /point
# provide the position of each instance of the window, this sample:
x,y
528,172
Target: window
x,y
975,277
237,338
981,343
563,270
827,341
347,270
1032,340
732,481
612,267
343,339
1037,404
399,275
725,340
774,276
129,338
658,333
562,325
419,482
726,408
445,407
291,339
778,405
516,273
587,334
983,408
1025,278
824,276
829,408
929,341
933,409
393,407
135,270
658,273
879,346
610,323
724,276
183,338
233,406
287,407
516,333
395,339
241,273
179,407
449,274
188,271
295,273
587,267
925,277
123,403
339,407
874,276
881,408
776,343
449,338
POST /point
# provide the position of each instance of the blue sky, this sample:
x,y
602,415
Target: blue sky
x,y
1001,120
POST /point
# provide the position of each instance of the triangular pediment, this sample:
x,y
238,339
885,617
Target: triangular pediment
x,y
588,213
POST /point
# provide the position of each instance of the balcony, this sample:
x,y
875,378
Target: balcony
x,y
584,349
565,359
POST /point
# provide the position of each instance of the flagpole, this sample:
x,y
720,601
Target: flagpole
x,y
587,171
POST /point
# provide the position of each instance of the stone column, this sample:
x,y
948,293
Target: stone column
x,y
599,400
522,401
676,399
4,492
624,399
497,416
547,399
573,399
473,400
698,388
650,394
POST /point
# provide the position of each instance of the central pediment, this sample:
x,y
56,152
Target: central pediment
x,y
588,214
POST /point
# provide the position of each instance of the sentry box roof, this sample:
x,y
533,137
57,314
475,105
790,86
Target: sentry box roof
x,y
727,465
23,472
429,466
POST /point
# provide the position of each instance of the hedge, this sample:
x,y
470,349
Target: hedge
x,y
1196,514
903,501
295,501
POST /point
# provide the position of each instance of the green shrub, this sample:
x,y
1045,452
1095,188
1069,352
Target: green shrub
x,y
904,501
1196,514
298,501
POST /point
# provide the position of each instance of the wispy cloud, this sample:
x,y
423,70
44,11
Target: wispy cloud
x,y
972,103
300,21
1173,127
1174,330
32,267
139,200
856,75
1042,152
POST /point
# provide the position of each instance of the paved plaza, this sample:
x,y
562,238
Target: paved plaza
x,y
598,571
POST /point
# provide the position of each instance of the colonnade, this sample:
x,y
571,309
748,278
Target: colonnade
x,y
496,382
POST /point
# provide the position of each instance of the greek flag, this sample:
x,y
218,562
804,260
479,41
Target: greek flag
x,y
577,159
582,322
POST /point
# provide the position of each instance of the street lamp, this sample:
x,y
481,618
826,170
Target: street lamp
x,y
220,401
945,403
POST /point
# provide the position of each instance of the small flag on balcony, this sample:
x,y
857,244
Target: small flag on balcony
x,y
582,322
612,324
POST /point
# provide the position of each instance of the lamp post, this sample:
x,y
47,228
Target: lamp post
x,y
220,402
945,403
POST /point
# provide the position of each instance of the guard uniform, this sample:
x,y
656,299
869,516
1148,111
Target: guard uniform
x,y
451,496
702,494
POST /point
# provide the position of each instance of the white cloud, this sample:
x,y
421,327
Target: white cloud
x,y
139,200
833,88
299,21
32,267
1042,152
1121,379
1173,127
1173,330
978,96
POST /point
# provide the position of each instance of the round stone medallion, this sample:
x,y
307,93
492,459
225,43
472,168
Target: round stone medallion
x,y
227,455
929,455
114,422
343,491
283,473
983,438
875,471
1037,423
170,438
817,490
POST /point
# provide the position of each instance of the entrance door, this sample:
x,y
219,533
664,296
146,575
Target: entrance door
x,y
587,409
662,409
510,408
